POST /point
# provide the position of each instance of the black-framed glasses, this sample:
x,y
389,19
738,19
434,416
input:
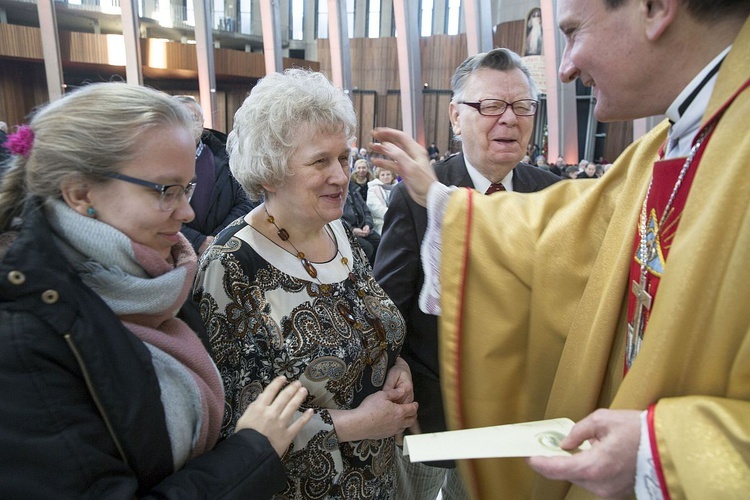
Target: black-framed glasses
x,y
496,107
170,195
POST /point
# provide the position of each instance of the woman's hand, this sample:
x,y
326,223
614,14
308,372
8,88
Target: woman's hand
x,y
379,416
399,377
271,413
407,158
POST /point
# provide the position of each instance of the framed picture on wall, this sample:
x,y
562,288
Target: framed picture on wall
x,y
533,42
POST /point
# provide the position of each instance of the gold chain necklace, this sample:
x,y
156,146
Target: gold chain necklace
x,y
646,252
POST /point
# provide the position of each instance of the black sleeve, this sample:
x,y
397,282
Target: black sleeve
x,y
195,238
397,264
242,466
241,206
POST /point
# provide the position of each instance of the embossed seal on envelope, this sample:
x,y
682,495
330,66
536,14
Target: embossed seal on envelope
x,y
550,439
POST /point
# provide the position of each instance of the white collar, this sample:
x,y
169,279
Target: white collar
x,y
481,183
687,110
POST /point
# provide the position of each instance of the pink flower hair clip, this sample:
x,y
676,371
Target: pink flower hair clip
x,y
21,141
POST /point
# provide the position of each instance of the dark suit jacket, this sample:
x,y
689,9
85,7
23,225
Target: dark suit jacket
x,y
398,270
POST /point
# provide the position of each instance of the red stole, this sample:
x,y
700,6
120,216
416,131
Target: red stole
x,y
665,176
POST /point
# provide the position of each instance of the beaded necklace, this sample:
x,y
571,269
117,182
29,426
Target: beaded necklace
x,y
374,354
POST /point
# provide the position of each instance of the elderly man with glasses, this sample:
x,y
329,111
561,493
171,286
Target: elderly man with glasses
x,y
492,114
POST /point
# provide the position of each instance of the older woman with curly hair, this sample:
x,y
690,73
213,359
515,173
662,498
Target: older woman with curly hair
x,y
287,290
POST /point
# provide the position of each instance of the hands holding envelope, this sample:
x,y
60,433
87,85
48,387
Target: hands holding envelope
x,y
598,453
607,469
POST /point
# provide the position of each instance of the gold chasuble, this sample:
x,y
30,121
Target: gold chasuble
x,y
534,311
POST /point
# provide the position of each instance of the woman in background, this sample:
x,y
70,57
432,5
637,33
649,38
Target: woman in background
x,y
361,176
108,392
378,197
288,291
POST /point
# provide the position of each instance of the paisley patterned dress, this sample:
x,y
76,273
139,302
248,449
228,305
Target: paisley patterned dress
x,y
338,334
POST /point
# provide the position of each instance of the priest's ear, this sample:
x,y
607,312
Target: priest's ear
x,y
657,16
76,191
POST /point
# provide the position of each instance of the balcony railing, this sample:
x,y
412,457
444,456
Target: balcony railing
x,y
169,15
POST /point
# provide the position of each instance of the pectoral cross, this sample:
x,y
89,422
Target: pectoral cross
x,y
635,329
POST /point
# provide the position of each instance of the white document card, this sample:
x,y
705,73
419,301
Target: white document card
x,y
528,439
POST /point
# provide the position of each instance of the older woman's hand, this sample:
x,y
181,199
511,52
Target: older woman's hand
x,y
379,416
399,377
407,158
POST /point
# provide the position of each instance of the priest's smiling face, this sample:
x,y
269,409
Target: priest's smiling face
x,y
608,50
494,145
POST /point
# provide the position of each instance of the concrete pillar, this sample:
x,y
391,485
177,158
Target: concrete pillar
x,y
478,26
439,14
204,49
341,70
311,46
360,18
51,48
386,18
271,22
131,33
562,120
410,68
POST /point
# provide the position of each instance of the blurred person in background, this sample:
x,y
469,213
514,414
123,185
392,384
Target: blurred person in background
x,y
218,199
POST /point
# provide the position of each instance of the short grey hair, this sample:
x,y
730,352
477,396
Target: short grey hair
x,y
267,126
500,59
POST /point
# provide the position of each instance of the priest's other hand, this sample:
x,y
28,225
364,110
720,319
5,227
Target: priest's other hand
x,y
407,158
608,468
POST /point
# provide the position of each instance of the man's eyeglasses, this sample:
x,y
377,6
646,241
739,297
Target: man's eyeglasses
x,y
170,195
496,107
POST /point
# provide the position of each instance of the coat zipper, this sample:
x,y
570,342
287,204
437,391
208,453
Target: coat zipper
x,y
95,397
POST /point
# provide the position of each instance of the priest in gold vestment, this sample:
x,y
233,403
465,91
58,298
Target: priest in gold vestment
x,y
548,301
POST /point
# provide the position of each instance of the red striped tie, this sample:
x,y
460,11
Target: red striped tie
x,y
495,187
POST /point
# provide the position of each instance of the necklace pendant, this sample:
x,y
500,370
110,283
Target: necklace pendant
x,y
352,277
309,267
283,234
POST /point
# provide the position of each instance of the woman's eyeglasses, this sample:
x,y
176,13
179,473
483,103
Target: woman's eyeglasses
x,y
170,195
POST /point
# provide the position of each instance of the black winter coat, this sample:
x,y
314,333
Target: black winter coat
x,y
355,212
81,415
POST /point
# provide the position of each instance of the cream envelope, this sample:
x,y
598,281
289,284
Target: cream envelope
x,y
528,439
